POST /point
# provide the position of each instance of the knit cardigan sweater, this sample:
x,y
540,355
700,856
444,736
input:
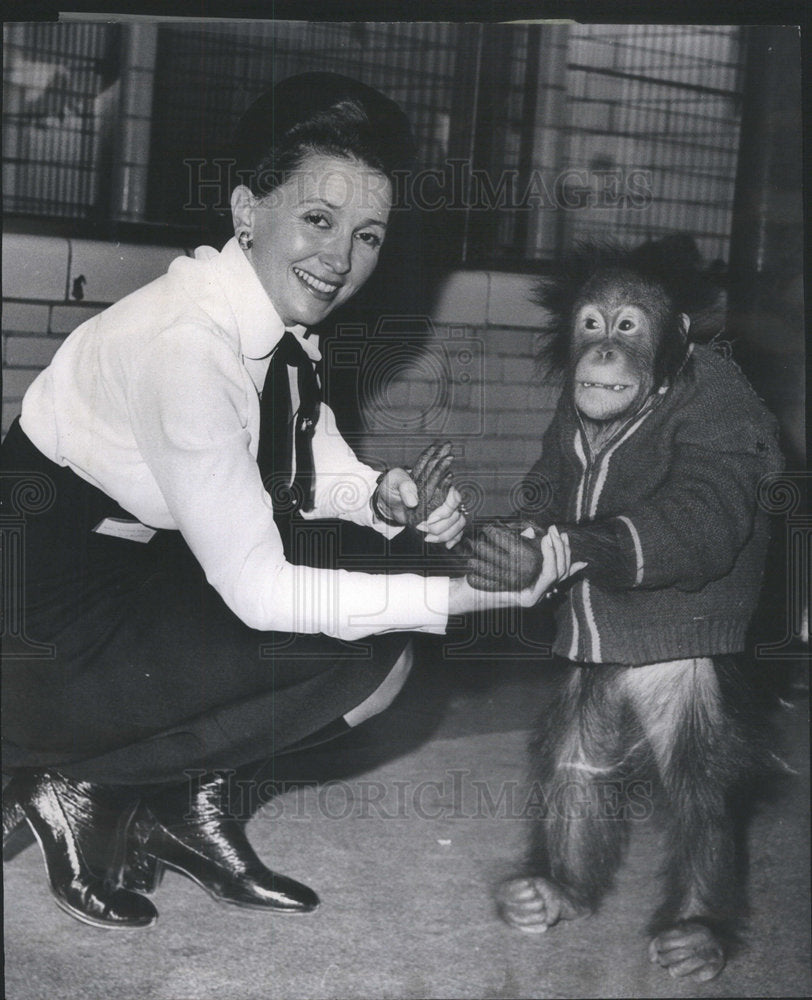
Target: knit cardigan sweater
x,y
675,493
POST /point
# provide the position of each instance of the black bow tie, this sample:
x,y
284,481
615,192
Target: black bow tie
x,y
277,438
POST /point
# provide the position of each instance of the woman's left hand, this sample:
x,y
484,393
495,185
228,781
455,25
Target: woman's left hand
x,y
425,498
447,523
505,560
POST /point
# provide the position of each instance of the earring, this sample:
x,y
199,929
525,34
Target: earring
x,y
244,239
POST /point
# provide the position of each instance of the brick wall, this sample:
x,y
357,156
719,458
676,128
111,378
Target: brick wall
x,y
466,372
42,277
473,380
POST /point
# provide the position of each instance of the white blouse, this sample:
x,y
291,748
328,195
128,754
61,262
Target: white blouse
x,y
156,402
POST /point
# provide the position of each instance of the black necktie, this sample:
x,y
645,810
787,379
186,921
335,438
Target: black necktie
x,y
277,438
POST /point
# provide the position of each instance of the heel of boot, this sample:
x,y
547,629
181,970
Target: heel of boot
x,y
17,834
141,871
72,821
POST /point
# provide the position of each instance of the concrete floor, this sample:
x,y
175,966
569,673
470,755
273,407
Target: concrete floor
x,y
401,843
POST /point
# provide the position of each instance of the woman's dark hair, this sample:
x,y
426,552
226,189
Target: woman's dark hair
x,y
322,113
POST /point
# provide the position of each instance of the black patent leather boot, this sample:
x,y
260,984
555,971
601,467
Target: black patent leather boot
x,y
13,815
192,830
17,833
142,872
78,827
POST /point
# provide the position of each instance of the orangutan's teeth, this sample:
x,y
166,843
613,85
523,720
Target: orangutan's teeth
x,y
603,385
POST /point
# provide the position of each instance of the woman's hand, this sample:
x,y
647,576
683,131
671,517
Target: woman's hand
x,y
445,524
424,499
488,563
556,565
506,558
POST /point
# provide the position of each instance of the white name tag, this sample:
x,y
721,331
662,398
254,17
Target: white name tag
x,y
117,527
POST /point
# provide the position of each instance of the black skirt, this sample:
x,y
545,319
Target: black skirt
x,y
123,665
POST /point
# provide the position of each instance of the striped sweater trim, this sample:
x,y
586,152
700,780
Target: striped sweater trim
x,y
603,468
638,548
579,451
592,625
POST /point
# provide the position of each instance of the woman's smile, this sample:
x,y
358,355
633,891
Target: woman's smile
x,y
324,290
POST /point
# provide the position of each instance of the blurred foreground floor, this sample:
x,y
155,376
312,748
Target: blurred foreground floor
x,y
404,838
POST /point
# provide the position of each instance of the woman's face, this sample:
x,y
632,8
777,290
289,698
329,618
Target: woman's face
x,y
316,238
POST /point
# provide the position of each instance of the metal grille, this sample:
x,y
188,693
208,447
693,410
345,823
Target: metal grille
x,y
60,99
207,75
652,133
628,131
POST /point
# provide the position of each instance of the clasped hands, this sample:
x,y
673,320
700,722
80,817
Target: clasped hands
x,y
512,563
425,499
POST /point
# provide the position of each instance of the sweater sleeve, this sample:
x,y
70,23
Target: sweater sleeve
x,y
691,529
608,549
187,408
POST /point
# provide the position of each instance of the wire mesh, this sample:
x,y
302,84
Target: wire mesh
x,y
59,83
628,131
653,116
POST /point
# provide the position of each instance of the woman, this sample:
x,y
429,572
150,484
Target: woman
x,y
188,635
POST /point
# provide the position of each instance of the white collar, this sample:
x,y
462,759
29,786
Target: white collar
x,y
258,323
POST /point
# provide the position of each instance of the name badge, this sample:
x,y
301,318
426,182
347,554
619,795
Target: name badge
x,y
118,527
